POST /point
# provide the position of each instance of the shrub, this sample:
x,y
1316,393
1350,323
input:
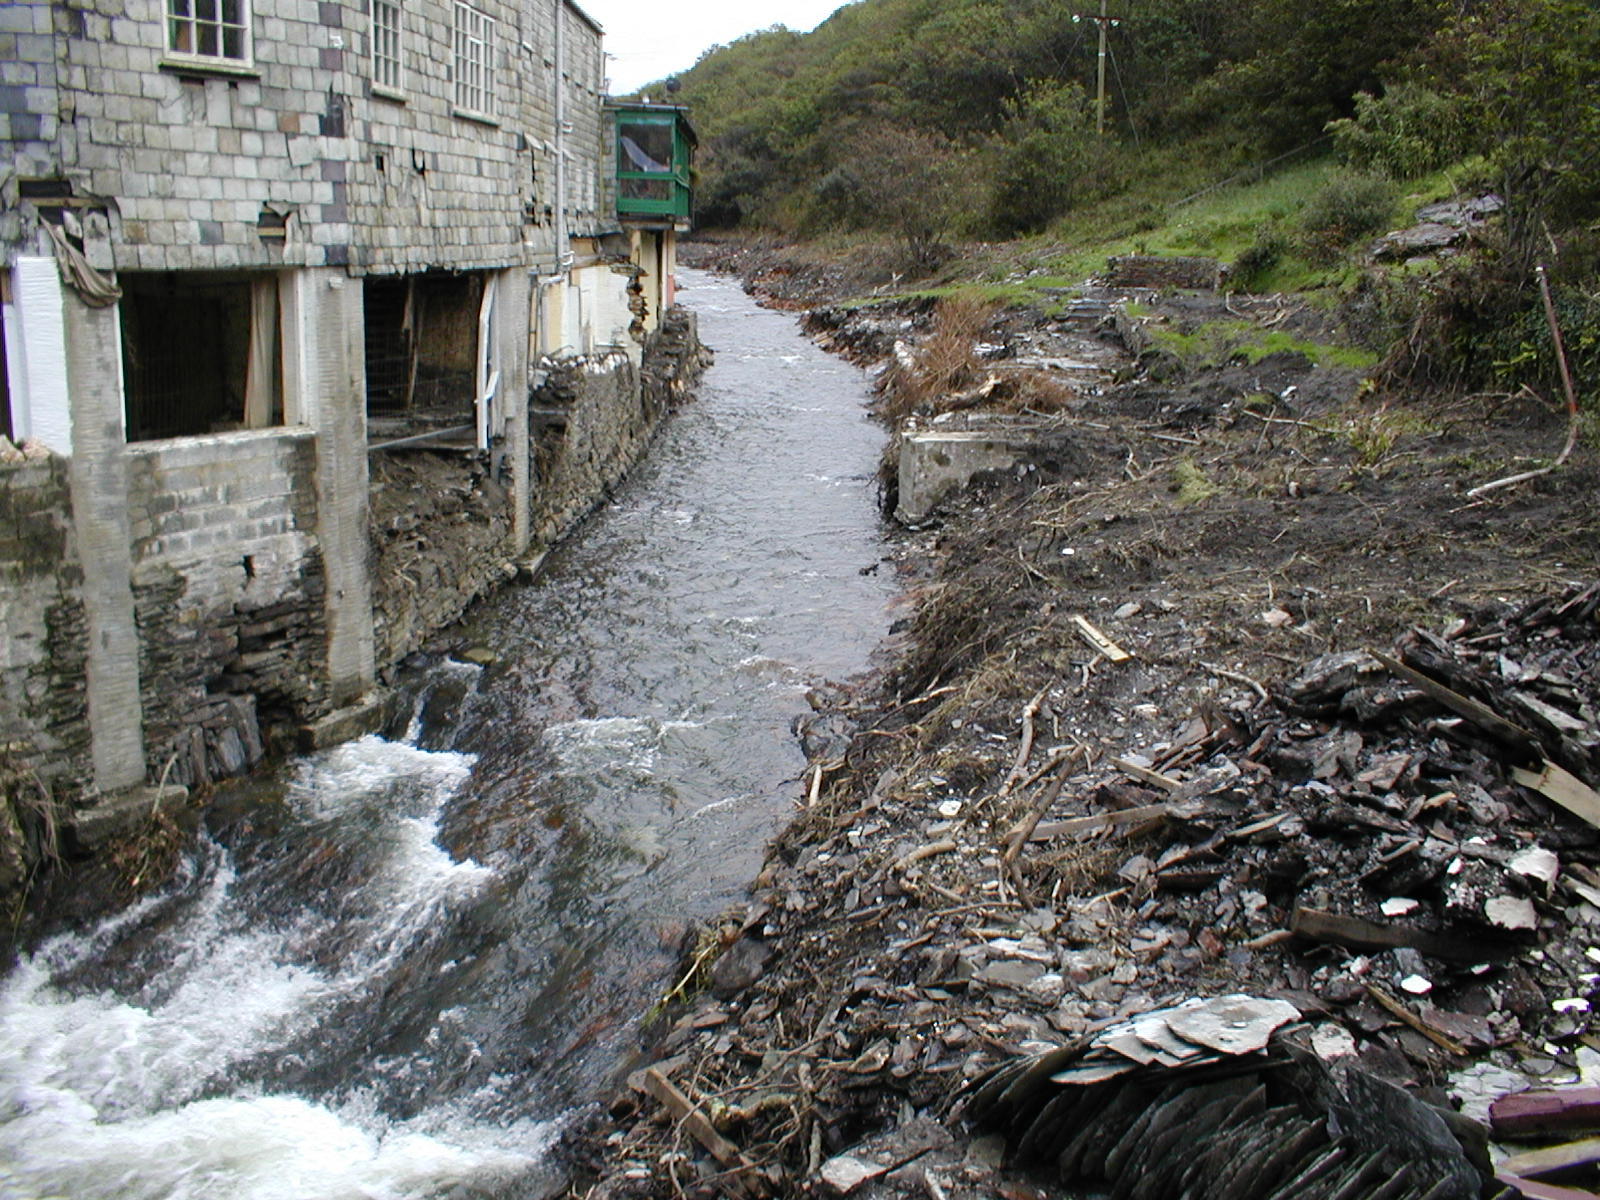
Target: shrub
x,y
1406,132
1259,258
1047,150
1351,205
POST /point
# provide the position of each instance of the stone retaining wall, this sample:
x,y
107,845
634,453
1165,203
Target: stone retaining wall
x,y
441,531
44,728
228,597
593,417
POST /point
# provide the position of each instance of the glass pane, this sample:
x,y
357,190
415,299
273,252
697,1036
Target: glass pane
x,y
180,37
645,147
178,8
208,40
206,10
232,42
230,11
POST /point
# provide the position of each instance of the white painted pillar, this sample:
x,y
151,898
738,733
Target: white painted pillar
x,y
325,387
98,478
517,320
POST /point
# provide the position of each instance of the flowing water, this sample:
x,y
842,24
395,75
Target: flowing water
x,y
409,962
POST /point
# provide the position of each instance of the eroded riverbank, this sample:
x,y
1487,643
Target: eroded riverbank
x,y
1022,840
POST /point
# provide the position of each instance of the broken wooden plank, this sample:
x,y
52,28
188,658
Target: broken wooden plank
x,y
1403,1014
1146,775
698,1126
1046,830
1546,1110
1358,934
1554,1158
1099,640
1534,1189
1563,788
1481,715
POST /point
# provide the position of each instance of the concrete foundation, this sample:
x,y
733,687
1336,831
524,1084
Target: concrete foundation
x,y
935,465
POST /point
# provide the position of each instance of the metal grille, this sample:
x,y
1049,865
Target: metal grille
x,y
209,28
386,43
184,348
474,74
389,357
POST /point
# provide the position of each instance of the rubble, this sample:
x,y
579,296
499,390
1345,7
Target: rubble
x,y
1012,846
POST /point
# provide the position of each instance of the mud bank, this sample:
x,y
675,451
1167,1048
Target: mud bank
x,y
1132,734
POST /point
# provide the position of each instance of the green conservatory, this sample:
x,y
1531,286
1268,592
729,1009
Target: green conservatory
x,y
655,155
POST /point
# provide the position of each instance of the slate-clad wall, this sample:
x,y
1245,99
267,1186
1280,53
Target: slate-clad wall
x,y
29,105
373,179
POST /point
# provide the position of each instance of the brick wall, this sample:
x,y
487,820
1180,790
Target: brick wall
x,y
228,587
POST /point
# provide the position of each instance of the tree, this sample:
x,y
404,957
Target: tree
x,y
918,184
1523,72
1046,150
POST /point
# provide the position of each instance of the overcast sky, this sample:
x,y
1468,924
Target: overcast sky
x,y
648,40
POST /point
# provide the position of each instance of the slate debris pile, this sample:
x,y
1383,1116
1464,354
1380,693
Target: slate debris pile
x,y
1350,845
1215,1099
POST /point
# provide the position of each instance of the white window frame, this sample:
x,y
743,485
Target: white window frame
x,y
473,61
187,22
387,33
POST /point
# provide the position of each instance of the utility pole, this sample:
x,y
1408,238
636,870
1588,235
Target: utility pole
x,y
1100,76
1106,22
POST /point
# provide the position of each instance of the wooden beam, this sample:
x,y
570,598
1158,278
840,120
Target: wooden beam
x,y
698,1126
1481,715
1146,775
1074,825
1562,787
1554,1158
1358,934
1546,1110
1099,640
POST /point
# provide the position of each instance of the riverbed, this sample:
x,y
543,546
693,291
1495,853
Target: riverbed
x,y
398,968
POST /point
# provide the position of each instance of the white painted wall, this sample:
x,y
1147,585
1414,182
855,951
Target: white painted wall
x,y
36,355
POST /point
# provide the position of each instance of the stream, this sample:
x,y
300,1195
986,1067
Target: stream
x,y
399,968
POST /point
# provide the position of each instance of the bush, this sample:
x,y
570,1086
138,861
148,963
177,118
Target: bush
x,y
1407,132
1351,205
1047,149
1259,258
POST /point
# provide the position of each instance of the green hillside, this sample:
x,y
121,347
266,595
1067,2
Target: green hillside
x,y
933,122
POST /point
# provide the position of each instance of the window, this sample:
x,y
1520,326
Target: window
x,y
209,29
201,352
474,75
386,43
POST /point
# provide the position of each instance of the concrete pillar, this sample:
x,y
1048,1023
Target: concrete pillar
x,y
325,387
98,478
515,312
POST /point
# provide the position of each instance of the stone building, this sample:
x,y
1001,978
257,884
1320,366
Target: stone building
x,y
263,260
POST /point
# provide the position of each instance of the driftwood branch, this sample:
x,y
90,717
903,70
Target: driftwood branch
x,y
1026,747
1566,384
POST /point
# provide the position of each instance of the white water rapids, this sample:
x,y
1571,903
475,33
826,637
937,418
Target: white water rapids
x,y
110,1091
398,969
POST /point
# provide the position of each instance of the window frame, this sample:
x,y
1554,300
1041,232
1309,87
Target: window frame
x,y
473,97
388,70
172,20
